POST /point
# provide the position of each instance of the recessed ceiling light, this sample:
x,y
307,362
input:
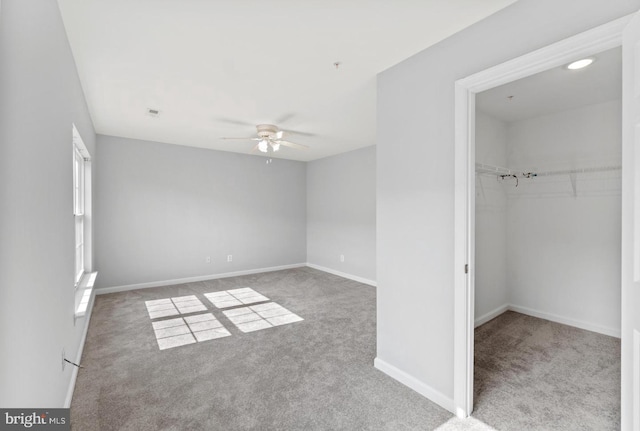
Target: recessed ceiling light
x,y
579,64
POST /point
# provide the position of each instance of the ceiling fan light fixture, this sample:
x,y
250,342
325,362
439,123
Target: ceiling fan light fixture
x,y
263,145
269,139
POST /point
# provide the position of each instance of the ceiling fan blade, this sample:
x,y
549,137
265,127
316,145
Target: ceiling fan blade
x,y
284,118
254,149
296,132
292,145
241,139
232,121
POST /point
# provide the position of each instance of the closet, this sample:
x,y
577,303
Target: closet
x,y
548,204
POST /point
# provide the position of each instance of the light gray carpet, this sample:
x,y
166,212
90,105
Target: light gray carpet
x,y
532,374
312,375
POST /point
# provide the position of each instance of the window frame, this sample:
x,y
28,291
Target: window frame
x,y
81,163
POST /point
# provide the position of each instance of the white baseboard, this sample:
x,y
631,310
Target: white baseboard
x,y
74,371
343,274
415,384
491,315
612,332
114,289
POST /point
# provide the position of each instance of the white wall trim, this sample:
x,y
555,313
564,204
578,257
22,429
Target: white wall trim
x,y
415,384
587,43
636,378
114,289
78,358
593,327
343,274
491,315
127,287
612,332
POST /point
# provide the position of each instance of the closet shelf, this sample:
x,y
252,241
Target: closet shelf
x,y
502,172
579,171
482,168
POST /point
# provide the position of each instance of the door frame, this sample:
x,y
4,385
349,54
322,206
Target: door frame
x,y
584,44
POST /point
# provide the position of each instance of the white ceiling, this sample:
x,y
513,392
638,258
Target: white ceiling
x,y
556,90
214,68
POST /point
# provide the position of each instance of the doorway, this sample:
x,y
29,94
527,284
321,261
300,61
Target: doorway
x,y
583,45
547,247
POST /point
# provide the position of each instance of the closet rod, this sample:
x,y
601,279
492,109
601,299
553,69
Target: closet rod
x,y
499,170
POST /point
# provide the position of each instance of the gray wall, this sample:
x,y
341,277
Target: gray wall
x,y
415,194
341,213
162,209
40,98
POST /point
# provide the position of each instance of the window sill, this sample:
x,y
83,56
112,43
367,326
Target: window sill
x,y
83,294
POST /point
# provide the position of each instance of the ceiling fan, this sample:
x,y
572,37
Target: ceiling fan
x,y
270,138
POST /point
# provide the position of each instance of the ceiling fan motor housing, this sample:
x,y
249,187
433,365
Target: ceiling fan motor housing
x,y
267,130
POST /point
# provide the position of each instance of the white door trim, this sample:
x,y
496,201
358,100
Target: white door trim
x,y
636,379
590,42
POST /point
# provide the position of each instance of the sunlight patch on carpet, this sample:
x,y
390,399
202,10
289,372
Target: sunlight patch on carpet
x,y
174,306
262,316
180,331
188,330
235,297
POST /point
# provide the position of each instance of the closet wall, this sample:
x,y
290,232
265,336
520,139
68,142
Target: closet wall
x,y
562,238
491,220
564,249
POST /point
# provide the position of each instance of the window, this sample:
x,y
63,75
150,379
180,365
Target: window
x,y
81,203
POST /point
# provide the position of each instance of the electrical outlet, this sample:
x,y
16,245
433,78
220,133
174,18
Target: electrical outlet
x,y
229,258
342,258
208,259
63,361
